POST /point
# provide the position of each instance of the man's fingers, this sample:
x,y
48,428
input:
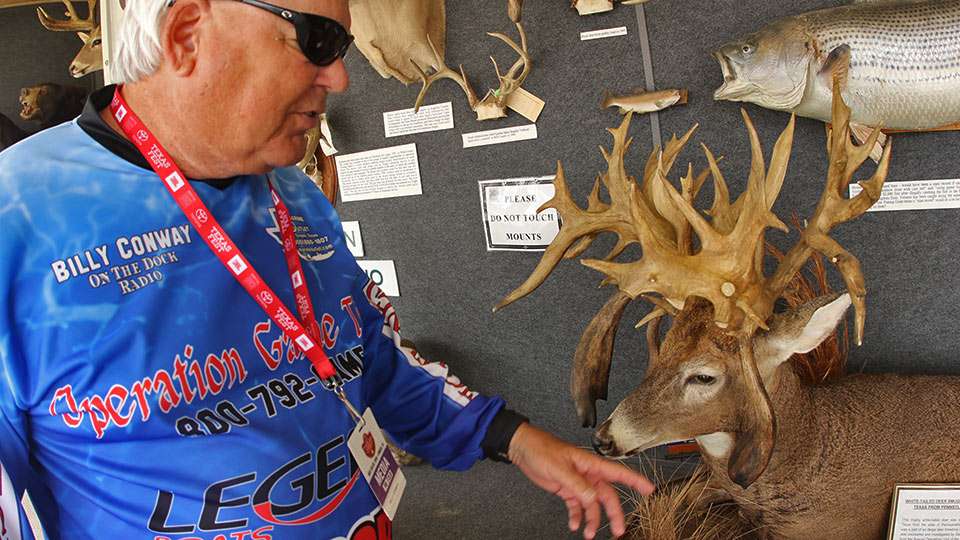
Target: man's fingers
x,y
593,520
611,505
603,469
575,513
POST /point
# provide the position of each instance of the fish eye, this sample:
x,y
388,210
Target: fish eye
x,y
746,48
701,379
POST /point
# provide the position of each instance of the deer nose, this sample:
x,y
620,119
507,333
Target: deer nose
x,y
602,442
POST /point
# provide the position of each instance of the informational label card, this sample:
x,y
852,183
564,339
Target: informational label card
x,y
605,33
428,118
379,174
351,231
510,218
499,136
925,512
383,274
916,195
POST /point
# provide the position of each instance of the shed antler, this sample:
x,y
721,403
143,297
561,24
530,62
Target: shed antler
x,y
73,23
493,105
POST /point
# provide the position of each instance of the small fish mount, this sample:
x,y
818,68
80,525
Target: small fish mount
x,y
494,104
642,102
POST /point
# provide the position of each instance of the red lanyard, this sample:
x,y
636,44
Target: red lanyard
x,y
306,334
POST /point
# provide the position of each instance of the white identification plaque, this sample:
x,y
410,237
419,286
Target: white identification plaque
x,y
924,512
428,118
376,462
605,33
500,136
383,274
916,195
510,217
379,174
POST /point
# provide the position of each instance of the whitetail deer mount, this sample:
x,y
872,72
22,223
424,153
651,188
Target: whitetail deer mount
x,y
722,373
493,105
726,269
90,57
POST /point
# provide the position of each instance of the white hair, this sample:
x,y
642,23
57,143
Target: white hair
x,y
138,51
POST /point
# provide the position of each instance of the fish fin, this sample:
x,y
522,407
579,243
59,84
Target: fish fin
x,y
861,134
836,66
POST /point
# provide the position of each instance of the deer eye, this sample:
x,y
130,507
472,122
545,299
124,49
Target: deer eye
x,y
701,379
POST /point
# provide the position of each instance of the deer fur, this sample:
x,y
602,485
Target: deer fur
x,y
840,447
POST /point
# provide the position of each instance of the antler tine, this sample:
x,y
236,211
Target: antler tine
x,y
594,204
510,81
74,23
442,72
579,223
833,209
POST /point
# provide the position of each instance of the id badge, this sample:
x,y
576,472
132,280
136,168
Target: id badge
x,y
376,462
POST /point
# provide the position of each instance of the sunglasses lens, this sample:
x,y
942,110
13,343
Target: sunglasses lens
x,y
326,41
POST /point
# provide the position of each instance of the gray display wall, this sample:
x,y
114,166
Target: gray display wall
x,y
30,55
449,281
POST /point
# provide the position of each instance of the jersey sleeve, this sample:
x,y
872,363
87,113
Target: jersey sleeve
x,y
426,409
15,470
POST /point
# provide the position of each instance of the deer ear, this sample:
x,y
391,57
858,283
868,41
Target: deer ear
x,y
756,433
591,362
801,329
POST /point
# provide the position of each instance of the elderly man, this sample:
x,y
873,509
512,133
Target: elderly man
x,y
186,344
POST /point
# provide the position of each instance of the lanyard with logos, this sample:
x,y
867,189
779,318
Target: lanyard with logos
x,y
305,334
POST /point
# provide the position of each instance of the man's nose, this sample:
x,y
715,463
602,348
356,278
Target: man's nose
x,y
334,77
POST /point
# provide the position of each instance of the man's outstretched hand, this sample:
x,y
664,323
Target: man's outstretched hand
x,y
582,479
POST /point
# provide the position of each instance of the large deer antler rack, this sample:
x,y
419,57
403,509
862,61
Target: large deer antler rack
x,y
726,267
494,103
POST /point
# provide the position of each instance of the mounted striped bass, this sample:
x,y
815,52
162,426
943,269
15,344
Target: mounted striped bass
x,y
646,102
897,61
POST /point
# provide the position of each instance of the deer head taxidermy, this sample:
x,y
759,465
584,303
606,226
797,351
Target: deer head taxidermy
x,y
90,56
718,292
494,103
392,33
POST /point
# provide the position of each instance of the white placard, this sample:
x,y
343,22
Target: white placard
x,y
429,118
379,174
510,218
499,136
917,195
351,232
384,274
605,33
922,512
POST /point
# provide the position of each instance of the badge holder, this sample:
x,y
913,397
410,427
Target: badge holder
x,y
369,448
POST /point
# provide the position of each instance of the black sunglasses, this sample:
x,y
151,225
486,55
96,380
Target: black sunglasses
x,y
322,40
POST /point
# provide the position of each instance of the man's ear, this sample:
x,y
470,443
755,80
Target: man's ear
x,y
180,35
800,329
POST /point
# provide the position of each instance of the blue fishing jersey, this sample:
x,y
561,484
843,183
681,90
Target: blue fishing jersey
x,y
145,394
